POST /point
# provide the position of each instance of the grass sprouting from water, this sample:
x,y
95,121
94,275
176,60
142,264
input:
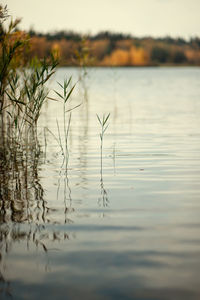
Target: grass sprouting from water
x,y
104,125
65,96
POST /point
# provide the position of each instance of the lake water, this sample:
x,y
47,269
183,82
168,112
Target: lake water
x,y
130,230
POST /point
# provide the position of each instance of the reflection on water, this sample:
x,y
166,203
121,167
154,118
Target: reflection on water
x,y
103,200
128,231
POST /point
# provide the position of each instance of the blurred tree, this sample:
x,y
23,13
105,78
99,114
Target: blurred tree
x,y
160,54
179,57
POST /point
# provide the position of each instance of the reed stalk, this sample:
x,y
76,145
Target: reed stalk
x,y
65,96
104,125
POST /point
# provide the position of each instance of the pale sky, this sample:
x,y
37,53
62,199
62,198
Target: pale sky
x,y
177,18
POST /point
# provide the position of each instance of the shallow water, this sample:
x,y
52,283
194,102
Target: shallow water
x,y
132,233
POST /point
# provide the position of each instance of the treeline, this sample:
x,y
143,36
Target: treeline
x,y
114,49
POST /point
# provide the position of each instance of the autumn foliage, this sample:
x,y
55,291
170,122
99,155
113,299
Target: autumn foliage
x,y
110,49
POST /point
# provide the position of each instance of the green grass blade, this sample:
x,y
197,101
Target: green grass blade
x,y
59,95
69,93
99,119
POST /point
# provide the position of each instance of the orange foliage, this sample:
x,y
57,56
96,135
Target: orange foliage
x,y
17,35
132,57
138,57
193,56
56,50
68,49
117,58
99,48
106,52
124,44
40,47
20,55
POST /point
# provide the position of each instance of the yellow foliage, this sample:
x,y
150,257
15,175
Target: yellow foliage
x,y
118,57
56,50
132,57
138,57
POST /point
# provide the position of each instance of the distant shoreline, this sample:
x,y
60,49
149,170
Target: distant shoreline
x,y
114,50
131,66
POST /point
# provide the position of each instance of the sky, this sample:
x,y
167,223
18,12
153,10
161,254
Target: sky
x,y
157,18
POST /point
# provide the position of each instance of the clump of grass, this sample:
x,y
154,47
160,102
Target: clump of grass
x,y
22,94
22,83
104,125
65,96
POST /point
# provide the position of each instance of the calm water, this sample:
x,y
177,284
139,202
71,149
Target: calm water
x,y
135,232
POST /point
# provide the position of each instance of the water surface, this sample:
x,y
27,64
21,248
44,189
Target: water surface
x,y
132,232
